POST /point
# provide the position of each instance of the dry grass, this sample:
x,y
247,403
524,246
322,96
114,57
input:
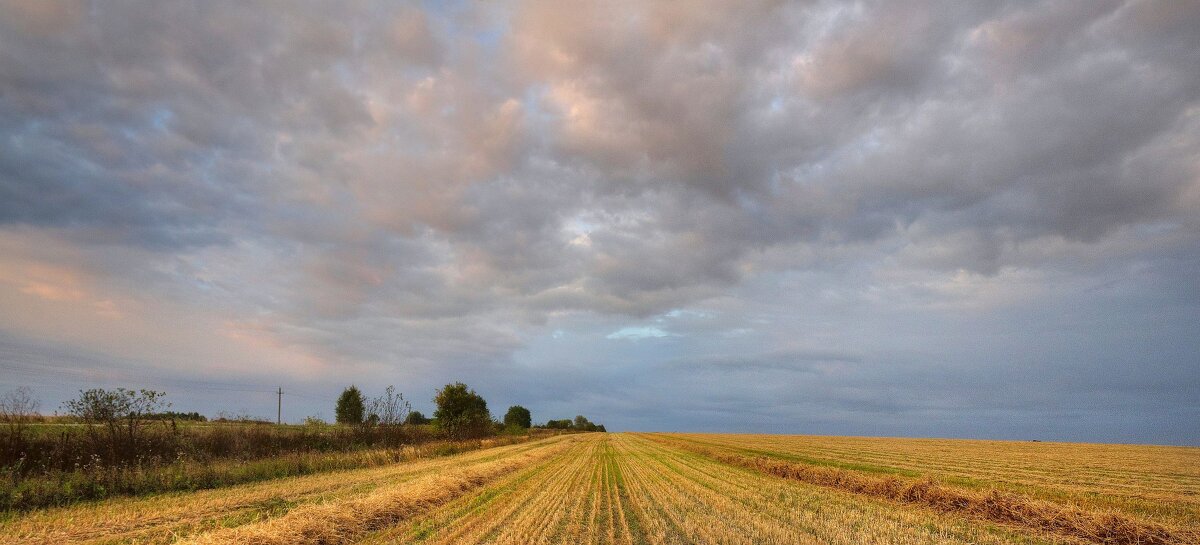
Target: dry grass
x,y
602,488
537,505
682,497
994,505
624,489
1158,483
1068,521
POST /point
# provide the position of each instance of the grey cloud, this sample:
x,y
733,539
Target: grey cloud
x,y
431,191
812,361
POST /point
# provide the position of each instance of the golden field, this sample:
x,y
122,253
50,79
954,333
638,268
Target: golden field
x,y
681,488
1156,482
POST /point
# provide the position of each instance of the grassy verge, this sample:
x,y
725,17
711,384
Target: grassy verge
x,y
86,483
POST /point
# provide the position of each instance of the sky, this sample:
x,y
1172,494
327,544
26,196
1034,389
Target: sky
x,y
948,219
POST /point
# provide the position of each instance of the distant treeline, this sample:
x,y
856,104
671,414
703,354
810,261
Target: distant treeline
x,y
172,415
461,413
579,424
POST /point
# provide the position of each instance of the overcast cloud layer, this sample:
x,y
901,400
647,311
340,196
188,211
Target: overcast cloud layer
x,y
893,218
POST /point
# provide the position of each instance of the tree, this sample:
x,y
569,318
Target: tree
x,y
350,407
18,408
118,410
518,416
390,409
461,413
563,424
416,418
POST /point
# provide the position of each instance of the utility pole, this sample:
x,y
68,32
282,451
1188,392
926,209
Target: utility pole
x,y
279,407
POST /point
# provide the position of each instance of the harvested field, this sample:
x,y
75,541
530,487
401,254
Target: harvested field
x,y
651,488
1158,483
169,517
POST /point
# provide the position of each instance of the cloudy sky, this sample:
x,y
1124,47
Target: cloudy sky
x,y
969,219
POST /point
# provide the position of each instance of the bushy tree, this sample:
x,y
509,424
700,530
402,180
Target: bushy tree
x,y
350,406
461,413
416,418
518,416
558,424
119,411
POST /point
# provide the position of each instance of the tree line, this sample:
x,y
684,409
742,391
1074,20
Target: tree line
x,y
581,423
461,413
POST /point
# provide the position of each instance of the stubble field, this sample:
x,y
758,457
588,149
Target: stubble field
x,y
683,488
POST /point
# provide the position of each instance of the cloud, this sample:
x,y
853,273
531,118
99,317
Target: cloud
x,y
870,211
636,333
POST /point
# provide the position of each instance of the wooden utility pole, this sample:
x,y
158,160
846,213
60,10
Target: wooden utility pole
x,y
279,407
